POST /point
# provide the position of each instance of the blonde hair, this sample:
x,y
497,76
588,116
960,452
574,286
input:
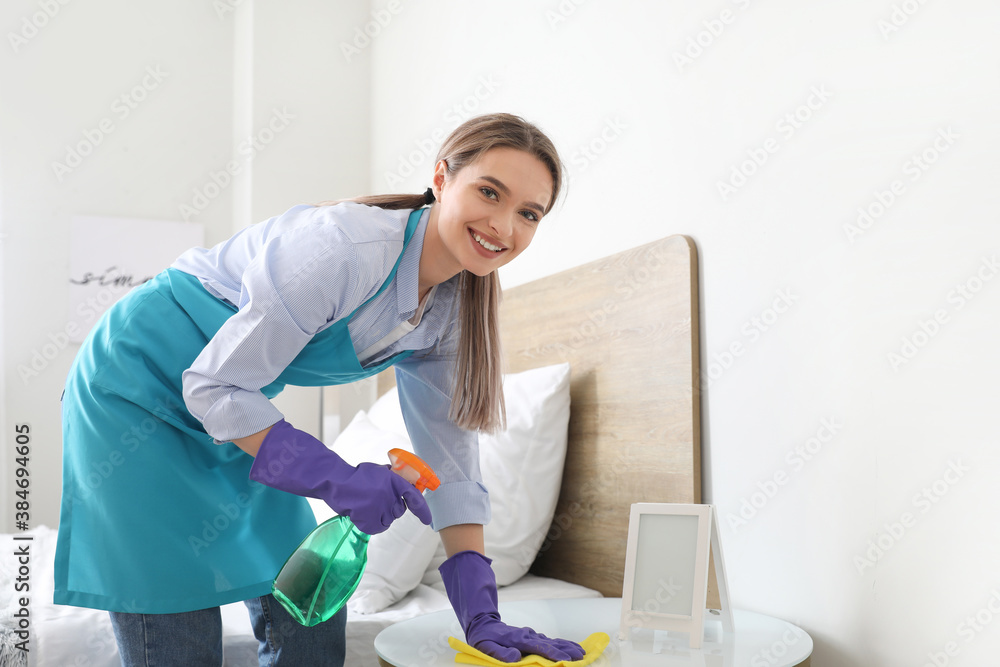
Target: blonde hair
x,y
477,400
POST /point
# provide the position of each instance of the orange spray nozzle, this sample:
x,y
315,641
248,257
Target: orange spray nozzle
x,y
413,469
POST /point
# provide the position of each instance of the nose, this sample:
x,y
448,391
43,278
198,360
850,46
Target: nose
x,y
501,225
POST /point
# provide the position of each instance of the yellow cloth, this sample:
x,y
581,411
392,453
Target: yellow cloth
x,y
594,645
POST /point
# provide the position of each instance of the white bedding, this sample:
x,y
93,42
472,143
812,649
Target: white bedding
x,y
68,636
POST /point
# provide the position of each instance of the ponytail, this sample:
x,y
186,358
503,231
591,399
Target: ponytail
x,y
477,401
389,202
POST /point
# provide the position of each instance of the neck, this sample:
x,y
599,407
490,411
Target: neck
x,y
436,265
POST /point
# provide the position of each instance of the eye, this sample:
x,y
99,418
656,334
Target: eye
x,y
490,193
530,215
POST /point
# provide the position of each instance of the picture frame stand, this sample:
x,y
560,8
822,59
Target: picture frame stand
x,y
667,569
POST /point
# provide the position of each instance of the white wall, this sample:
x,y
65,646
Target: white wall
x,y
670,134
603,75
226,70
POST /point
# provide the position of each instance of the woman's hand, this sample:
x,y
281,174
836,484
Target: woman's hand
x,y
370,494
472,590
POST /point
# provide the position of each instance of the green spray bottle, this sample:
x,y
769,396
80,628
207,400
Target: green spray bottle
x,y
325,569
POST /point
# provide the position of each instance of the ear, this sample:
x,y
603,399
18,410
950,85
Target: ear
x,y
437,183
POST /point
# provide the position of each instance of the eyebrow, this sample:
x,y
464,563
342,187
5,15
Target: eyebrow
x,y
503,188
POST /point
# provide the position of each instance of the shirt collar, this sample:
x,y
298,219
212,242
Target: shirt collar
x,y
408,278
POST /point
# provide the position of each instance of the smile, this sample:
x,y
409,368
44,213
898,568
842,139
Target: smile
x,y
486,244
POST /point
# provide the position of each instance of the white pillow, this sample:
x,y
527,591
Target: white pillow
x,y
398,556
522,469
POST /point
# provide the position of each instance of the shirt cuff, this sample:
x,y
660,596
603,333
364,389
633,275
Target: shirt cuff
x,y
232,418
458,502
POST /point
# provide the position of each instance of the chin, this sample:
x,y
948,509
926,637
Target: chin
x,y
481,266
480,270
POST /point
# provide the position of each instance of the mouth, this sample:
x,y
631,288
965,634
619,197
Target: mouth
x,y
485,244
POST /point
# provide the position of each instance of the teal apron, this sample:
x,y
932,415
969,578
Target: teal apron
x,y
155,517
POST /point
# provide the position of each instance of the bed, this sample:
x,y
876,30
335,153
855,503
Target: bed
x,y
603,407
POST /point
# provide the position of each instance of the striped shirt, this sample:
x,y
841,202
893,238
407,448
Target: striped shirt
x,y
294,275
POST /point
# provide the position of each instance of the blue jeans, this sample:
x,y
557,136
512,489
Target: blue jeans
x,y
194,638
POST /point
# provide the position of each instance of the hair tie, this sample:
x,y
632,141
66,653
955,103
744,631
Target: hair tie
x,y
429,196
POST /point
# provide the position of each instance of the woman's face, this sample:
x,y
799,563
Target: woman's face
x,y
488,212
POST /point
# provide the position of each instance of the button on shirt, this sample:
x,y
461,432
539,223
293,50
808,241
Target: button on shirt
x,y
296,274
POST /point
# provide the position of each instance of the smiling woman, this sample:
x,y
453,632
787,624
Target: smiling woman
x,y
319,295
487,213
495,177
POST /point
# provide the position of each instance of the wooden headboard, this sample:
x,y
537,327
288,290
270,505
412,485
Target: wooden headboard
x,y
628,326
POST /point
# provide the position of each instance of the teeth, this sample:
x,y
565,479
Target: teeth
x,y
486,244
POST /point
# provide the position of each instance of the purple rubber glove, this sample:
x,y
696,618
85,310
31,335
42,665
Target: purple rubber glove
x,y
371,495
472,589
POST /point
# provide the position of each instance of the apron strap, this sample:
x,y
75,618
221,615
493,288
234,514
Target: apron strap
x,y
411,227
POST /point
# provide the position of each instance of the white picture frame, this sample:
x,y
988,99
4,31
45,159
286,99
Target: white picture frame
x,y
666,569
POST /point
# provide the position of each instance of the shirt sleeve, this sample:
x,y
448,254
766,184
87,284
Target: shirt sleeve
x,y
295,285
424,383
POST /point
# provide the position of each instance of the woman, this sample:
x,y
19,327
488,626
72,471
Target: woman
x,y
183,486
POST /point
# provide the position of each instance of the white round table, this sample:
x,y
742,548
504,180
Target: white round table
x,y
759,640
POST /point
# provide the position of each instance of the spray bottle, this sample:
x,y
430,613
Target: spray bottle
x,y
325,569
